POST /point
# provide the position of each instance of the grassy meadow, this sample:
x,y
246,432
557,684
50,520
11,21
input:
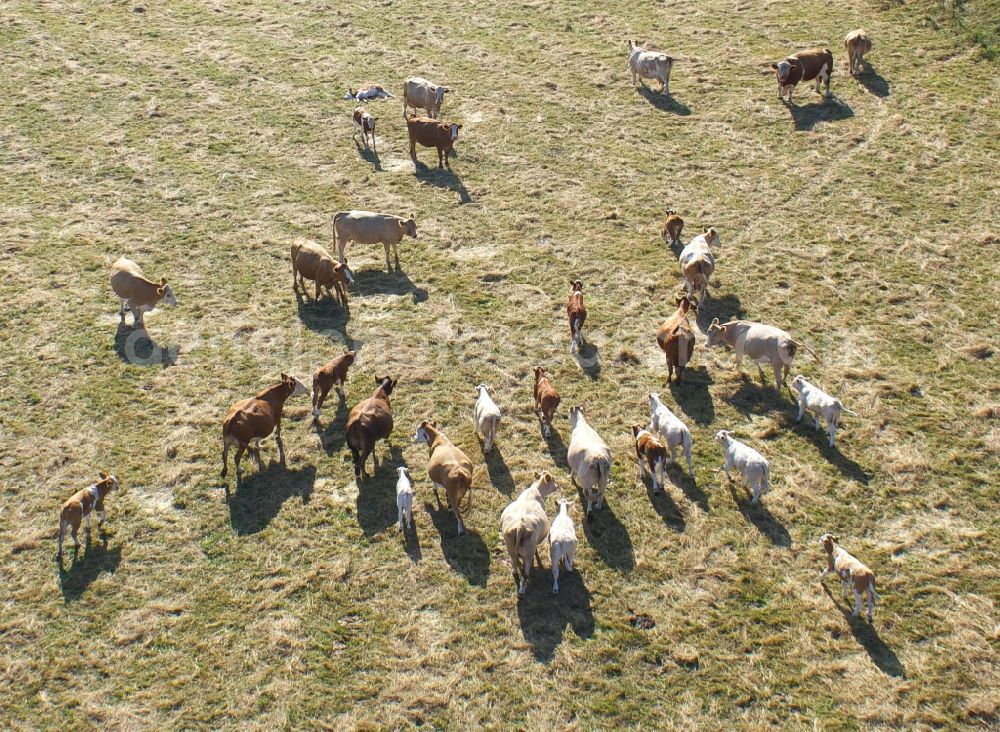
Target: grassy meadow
x,y
201,138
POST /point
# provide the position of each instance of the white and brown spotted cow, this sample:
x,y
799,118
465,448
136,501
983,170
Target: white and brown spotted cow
x,y
816,63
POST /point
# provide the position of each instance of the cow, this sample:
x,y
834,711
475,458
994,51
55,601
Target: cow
x,y
487,417
852,572
816,63
750,464
366,227
368,422
136,292
651,454
589,458
672,228
448,468
546,400
820,404
576,311
675,337
311,261
524,525
761,343
422,94
404,498
81,504
248,421
857,43
697,262
374,91
333,372
674,432
366,123
562,543
649,65
431,133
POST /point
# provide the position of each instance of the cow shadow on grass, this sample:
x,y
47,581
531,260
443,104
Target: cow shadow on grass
x,y
759,516
135,346
848,468
609,537
588,358
807,116
557,448
380,282
442,178
865,634
688,486
86,568
325,316
874,82
725,308
757,397
376,502
544,616
664,505
692,396
465,553
499,472
369,155
259,496
664,102
333,437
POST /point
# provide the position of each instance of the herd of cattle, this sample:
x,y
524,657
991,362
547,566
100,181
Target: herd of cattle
x,y
524,523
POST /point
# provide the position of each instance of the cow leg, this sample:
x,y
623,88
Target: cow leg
x,y
76,539
857,603
831,428
136,317
395,253
778,379
356,459
121,311
760,370
225,455
802,408
318,400
440,158
319,291
388,263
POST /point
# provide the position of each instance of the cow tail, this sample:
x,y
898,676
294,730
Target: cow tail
x,y
602,472
767,479
809,350
871,589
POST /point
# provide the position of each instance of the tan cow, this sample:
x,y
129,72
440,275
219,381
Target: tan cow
x,y
546,400
761,343
576,312
249,421
448,467
311,261
138,293
366,227
589,458
334,372
81,504
369,422
675,337
672,228
857,43
422,94
852,572
524,525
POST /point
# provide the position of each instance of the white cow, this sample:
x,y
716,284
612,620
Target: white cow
x,y
750,464
817,402
649,65
562,543
404,497
674,432
698,263
589,458
487,417
762,343
422,94
524,524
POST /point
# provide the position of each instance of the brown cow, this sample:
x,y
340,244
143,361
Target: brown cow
x,y
310,261
672,228
577,314
366,123
81,504
857,44
675,336
816,63
369,422
546,400
448,467
431,133
249,421
652,450
335,372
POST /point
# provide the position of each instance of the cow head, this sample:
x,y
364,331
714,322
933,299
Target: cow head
x,y
577,285
348,358
539,373
545,483
409,226
341,268
297,386
827,541
350,93
783,70
454,131
797,383
439,94
686,302
386,383
404,472
423,434
723,437
671,212
636,429
712,237
575,414
111,480
481,388
654,401
166,292
716,333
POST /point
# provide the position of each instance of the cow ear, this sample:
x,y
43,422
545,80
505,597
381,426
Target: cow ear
x,y
715,321
160,291
378,379
163,282
284,376
433,423
774,66
835,539
104,476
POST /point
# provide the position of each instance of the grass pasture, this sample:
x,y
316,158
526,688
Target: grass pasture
x,y
200,138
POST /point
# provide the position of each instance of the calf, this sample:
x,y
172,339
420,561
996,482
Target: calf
x,y
487,417
448,468
650,65
762,343
674,432
524,525
852,573
672,228
81,504
404,498
675,337
310,261
589,458
577,313
136,292
562,543
371,92
816,63
248,421
366,227
366,123
369,422
334,372
857,44
697,262
750,464
422,94
651,454
431,133
546,400
820,404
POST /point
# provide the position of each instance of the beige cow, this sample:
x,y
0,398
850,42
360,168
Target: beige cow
x,y
422,94
857,43
697,262
852,572
448,468
524,525
366,227
589,458
135,291
311,261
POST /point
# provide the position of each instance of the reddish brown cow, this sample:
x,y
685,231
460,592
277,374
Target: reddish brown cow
x,y
249,421
652,450
675,336
81,504
369,422
431,133
672,228
311,261
335,372
577,314
546,399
